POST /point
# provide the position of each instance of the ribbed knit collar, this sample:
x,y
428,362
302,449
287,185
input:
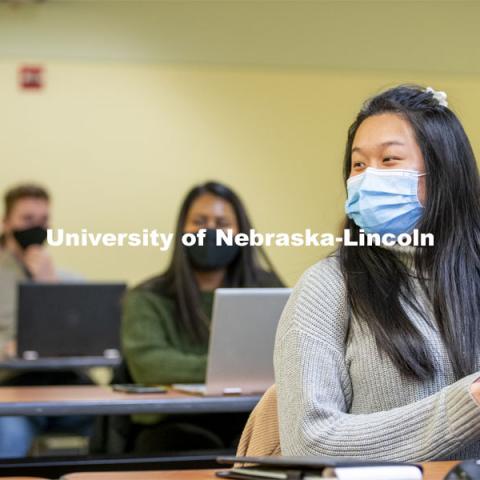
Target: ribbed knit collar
x,y
406,254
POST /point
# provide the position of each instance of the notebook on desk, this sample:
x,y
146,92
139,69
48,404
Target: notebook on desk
x,y
240,357
312,468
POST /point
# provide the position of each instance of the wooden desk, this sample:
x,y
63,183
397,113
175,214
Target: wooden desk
x,y
65,363
151,475
432,471
96,400
23,478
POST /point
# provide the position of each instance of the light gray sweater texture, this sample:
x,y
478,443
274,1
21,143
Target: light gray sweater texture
x,y
340,396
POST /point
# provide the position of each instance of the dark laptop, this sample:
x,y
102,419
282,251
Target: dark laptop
x,y
69,320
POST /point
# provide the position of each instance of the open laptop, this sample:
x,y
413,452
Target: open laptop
x,y
240,357
69,320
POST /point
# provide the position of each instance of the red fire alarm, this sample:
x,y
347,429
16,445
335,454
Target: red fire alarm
x,y
30,77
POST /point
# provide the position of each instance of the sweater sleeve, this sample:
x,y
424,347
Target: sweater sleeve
x,y
150,357
315,390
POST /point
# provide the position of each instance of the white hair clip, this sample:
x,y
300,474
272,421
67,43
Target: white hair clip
x,y
440,97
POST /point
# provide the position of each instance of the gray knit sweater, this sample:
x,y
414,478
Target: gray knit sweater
x,y
341,397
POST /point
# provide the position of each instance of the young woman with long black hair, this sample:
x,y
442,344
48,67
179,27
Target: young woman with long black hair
x,y
378,350
166,319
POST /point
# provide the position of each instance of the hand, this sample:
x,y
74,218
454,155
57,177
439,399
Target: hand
x,y
40,264
10,349
475,390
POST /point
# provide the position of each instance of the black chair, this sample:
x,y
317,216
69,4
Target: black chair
x,y
114,434
216,433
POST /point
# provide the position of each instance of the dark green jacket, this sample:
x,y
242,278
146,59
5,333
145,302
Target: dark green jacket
x,y
155,349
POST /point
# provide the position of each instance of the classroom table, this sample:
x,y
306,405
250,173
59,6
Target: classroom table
x,y
432,471
97,400
60,363
23,478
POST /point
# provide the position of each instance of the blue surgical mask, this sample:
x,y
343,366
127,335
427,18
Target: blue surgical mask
x,y
384,201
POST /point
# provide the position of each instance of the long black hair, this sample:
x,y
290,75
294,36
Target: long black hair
x,y
379,286
251,267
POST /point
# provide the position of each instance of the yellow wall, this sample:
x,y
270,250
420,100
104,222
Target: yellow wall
x,y
118,135
119,144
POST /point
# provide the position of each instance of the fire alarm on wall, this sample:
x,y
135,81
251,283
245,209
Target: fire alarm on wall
x,y
30,77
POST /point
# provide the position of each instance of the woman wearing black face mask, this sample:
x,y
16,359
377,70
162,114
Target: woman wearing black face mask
x,y
166,319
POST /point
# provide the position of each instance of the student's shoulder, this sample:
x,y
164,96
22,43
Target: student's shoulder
x,y
325,275
146,296
317,305
143,308
10,267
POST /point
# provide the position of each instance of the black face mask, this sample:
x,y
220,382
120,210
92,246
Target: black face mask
x,y
210,256
30,236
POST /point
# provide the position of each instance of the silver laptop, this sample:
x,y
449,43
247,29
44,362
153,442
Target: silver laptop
x,y
240,356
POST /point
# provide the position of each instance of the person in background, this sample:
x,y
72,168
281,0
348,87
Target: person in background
x,y
377,353
166,319
23,257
